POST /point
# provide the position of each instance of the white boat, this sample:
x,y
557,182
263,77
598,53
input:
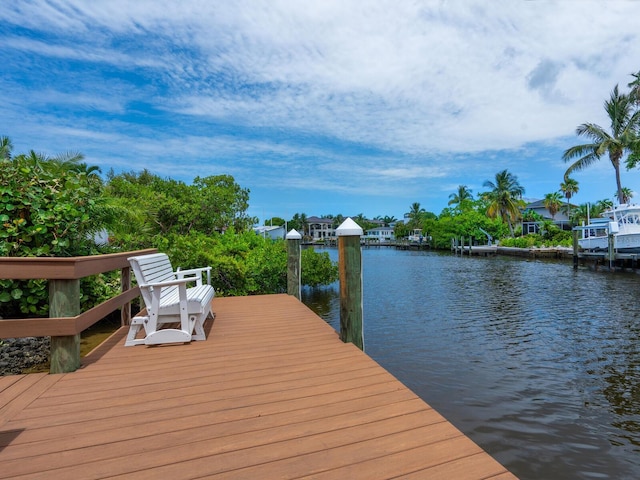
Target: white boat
x,y
416,236
621,221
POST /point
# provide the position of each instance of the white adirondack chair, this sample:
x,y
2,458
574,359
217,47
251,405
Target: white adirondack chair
x,y
168,300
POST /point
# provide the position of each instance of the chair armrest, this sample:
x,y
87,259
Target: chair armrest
x,y
197,272
169,283
193,271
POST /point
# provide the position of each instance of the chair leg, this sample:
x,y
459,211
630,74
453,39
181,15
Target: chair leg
x,y
136,324
199,328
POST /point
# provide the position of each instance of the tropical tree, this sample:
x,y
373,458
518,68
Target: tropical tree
x,y
415,215
505,198
337,220
361,220
580,214
387,220
585,211
299,223
602,205
462,195
634,85
5,148
627,194
552,202
275,221
569,188
621,140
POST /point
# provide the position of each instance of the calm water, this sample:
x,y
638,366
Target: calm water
x,y
538,364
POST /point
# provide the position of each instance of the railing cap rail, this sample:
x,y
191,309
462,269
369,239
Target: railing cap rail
x,y
64,268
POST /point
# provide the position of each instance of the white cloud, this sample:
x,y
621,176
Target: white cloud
x,y
430,86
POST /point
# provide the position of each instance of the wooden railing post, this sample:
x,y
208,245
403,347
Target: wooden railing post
x,y
64,301
294,259
350,269
125,284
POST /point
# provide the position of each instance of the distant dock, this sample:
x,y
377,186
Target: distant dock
x,y
592,260
401,244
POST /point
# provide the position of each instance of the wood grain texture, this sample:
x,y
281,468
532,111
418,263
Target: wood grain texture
x,y
249,402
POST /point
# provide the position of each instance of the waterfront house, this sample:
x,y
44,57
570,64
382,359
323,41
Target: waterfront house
x,y
560,218
381,234
320,228
274,232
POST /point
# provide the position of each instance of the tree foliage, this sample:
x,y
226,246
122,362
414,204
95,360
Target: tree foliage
x,y
504,200
619,140
553,202
46,209
160,206
55,206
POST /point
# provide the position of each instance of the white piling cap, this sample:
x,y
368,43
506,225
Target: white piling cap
x,y
293,235
348,228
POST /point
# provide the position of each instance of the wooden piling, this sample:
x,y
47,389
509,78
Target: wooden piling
x,y
611,251
575,249
294,260
64,301
350,269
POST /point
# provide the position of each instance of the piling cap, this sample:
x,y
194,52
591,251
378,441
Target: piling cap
x,y
348,228
293,235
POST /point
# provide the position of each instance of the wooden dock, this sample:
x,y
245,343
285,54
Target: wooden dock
x,y
272,393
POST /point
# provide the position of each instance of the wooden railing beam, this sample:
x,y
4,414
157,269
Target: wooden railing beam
x,y
66,323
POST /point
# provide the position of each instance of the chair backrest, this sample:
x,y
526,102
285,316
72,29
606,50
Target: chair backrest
x,y
152,268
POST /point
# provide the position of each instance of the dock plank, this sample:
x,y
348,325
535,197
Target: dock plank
x,y
272,393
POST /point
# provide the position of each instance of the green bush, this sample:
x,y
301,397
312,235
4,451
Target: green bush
x,y
559,238
245,263
45,210
526,241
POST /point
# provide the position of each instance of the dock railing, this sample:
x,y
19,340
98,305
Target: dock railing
x,y
66,322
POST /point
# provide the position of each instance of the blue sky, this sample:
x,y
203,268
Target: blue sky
x,y
321,107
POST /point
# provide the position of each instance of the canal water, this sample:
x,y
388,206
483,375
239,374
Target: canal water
x,y
537,363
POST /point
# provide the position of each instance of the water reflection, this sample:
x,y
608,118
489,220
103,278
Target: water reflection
x,y
322,301
537,363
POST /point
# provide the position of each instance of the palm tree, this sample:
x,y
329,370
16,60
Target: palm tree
x,y
505,198
337,220
299,222
620,141
5,148
604,204
387,220
361,220
585,211
415,214
462,194
580,214
627,194
569,187
552,202
635,88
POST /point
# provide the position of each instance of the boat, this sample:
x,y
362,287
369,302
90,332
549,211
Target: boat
x,y
416,236
622,222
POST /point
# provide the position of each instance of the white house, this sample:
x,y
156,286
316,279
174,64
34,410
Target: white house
x,y
273,232
382,234
320,228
